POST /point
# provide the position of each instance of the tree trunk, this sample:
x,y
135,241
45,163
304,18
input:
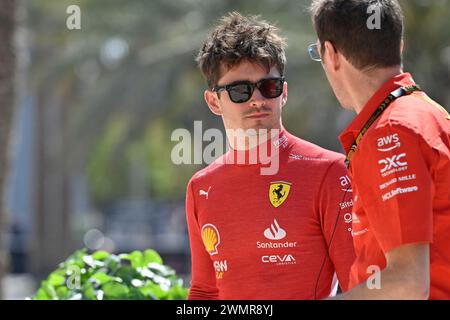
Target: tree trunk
x,y
7,71
51,231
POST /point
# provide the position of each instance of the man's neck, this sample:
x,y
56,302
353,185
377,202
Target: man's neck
x,y
245,142
363,86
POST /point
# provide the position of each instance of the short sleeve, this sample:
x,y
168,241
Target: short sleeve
x,y
203,283
395,186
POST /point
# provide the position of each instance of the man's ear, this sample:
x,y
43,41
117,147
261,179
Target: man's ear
x,y
212,100
285,94
331,56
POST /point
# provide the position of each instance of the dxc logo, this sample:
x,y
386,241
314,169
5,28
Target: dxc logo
x,y
393,162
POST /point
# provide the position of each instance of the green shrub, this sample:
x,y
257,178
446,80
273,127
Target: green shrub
x,y
104,276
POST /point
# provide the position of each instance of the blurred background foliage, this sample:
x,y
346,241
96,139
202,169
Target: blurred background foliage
x,y
105,100
129,79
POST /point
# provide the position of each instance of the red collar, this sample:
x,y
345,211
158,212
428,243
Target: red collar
x,y
349,135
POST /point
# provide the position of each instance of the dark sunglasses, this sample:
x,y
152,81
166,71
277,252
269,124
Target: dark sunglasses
x,y
242,91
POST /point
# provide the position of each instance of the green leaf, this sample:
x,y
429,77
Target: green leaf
x,y
62,293
127,274
152,256
100,255
56,279
91,262
41,294
137,259
78,255
124,256
89,292
146,273
162,270
112,263
101,277
114,290
136,294
75,259
86,274
178,292
153,290
60,271
49,290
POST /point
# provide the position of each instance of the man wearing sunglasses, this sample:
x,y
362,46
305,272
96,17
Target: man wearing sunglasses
x,y
398,152
257,236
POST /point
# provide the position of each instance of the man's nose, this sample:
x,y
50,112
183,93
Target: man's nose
x,y
257,98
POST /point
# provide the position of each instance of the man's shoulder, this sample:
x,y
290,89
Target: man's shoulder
x,y
311,152
210,171
415,114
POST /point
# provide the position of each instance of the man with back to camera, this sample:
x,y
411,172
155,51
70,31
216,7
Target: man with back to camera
x,y
254,235
397,150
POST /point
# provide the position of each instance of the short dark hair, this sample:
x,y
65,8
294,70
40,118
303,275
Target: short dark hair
x,y
240,38
344,24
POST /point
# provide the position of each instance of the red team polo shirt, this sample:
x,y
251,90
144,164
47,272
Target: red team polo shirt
x,y
256,236
400,176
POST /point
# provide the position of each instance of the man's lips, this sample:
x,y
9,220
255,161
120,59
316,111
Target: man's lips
x,y
258,115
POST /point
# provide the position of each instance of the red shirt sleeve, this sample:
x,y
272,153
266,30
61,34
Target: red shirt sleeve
x,y
203,282
395,186
336,219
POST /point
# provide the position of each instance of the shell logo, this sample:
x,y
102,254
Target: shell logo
x,y
211,238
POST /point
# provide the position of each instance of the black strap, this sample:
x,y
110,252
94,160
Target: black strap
x,y
383,106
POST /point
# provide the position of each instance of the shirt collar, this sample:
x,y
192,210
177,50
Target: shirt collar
x,y
349,135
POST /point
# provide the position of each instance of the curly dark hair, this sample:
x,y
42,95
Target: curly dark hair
x,y
240,38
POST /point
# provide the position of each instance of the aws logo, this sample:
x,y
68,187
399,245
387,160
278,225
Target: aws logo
x,y
211,238
388,143
278,192
345,184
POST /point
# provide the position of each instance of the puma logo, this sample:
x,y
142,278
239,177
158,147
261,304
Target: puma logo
x,y
205,193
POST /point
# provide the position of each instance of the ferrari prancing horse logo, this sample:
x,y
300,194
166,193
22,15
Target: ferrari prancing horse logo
x,y
278,192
